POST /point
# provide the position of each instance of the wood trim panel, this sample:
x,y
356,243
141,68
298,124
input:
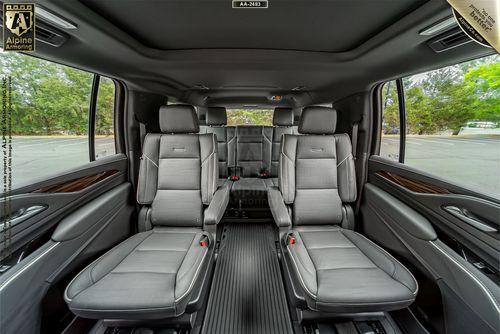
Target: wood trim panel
x,y
77,184
412,184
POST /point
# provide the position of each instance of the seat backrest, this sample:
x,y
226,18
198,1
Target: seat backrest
x,y
216,120
253,149
178,173
316,169
283,119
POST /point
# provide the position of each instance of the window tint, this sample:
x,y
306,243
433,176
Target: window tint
x,y
390,122
50,106
452,123
104,126
249,117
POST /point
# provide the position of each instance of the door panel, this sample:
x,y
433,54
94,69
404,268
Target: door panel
x,y
77,216
433,206
409,213
56,204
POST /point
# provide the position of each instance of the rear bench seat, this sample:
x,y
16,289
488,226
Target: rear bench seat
x,y
216,120
257,154
249,151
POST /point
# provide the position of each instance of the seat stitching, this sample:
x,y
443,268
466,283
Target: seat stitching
x,y
300,276
390,258
141,272
326,247
314,264
369,258
368,303
184,258
348,268
134,248
161,250
91,267
194,278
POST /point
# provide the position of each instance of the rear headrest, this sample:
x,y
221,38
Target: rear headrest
x,y
318,120
216,116
283,117
178,118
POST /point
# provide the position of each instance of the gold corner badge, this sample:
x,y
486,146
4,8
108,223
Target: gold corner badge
x,y
479,19
19,27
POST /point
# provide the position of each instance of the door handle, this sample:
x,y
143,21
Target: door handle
x,y
467,217
21,215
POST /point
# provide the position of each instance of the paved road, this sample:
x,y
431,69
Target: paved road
x,y
34,157
471,161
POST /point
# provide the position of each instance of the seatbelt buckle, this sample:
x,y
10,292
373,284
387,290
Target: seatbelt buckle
x,y
204,242
291,240
235,172
264,174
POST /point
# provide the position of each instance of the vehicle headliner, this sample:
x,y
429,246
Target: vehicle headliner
x,y
206,53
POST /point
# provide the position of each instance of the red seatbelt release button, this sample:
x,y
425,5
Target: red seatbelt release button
x,y
291,240
204,242
234,178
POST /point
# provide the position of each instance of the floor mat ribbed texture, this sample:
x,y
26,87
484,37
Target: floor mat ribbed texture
x,y
247,294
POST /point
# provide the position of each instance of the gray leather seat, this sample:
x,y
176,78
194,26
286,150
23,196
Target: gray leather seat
x,y
338,269
216,122
253,156
283,119
152,274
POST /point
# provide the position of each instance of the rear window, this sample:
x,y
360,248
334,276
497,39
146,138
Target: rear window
x,y
249,117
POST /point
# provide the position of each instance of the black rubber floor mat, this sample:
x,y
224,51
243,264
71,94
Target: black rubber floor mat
x,y
247,294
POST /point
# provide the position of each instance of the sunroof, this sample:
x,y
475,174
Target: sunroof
x,y
332,26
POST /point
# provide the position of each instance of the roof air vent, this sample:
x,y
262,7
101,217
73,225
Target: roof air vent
x,y
47,34
449,40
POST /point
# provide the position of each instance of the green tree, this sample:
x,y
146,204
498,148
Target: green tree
x,y
250,116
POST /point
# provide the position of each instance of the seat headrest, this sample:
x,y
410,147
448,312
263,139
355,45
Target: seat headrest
x,y
178,118
283,117
318,120
216,116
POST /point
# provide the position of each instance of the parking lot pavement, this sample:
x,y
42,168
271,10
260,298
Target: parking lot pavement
x,y
470,161
40,157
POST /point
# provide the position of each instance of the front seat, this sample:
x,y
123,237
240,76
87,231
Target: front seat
x,y
152,274
338,270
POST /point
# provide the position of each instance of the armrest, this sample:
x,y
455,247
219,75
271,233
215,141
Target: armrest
x,y
278,207
217,207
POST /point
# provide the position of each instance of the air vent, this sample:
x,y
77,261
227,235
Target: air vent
x,y
449,40
47,34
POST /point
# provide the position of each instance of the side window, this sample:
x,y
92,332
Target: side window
x,y
104,119
50,113
453,124
390,122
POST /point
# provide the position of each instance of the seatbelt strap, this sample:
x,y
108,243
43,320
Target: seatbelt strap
x,y
142,132
354,139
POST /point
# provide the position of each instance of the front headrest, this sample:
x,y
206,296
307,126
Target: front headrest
x,y
178,118
283,117
216,116
318,121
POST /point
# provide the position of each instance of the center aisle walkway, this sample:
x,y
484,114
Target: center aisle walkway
x,y
247,294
